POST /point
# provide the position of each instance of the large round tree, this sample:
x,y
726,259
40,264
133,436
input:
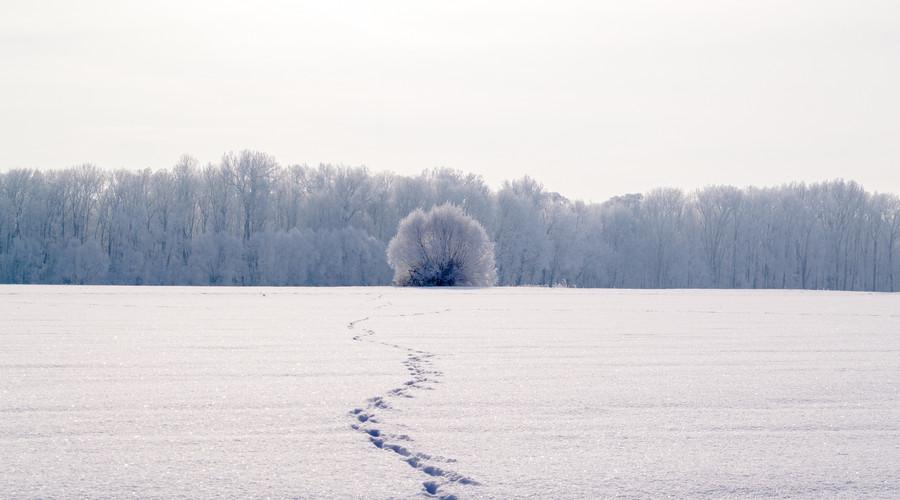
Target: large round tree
x,y
441,247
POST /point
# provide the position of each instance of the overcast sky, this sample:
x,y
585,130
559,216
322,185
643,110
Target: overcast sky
x,y
592,98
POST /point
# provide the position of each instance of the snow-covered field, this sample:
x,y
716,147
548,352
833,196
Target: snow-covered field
x,y
498,393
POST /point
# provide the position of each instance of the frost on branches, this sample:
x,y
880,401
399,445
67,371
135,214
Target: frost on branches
x,y
441,247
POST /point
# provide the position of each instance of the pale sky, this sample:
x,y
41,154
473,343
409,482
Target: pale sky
x,y
592,98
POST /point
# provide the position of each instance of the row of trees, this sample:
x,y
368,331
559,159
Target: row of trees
x,y
247,220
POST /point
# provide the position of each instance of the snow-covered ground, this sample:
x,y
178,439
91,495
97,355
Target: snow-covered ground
x,y
498,393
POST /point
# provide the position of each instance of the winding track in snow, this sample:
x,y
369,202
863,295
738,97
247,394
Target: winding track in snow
x,y
370,420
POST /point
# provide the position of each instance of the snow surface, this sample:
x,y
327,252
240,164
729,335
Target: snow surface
x,y
495,393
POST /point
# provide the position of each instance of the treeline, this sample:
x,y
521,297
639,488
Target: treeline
x,y
249,221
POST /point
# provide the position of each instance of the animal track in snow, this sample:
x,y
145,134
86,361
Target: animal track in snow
x,y
422,377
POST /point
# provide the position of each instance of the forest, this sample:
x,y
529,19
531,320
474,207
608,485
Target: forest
x,y
247,220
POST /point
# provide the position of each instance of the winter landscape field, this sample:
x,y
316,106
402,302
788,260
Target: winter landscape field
x,y
378,392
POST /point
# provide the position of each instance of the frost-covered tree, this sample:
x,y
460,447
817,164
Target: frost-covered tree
x,y
717,209
523,245
441,247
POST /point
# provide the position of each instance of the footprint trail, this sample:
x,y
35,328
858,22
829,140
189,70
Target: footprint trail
x,y
371,420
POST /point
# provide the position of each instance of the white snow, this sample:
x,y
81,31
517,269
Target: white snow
x,y
494,393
